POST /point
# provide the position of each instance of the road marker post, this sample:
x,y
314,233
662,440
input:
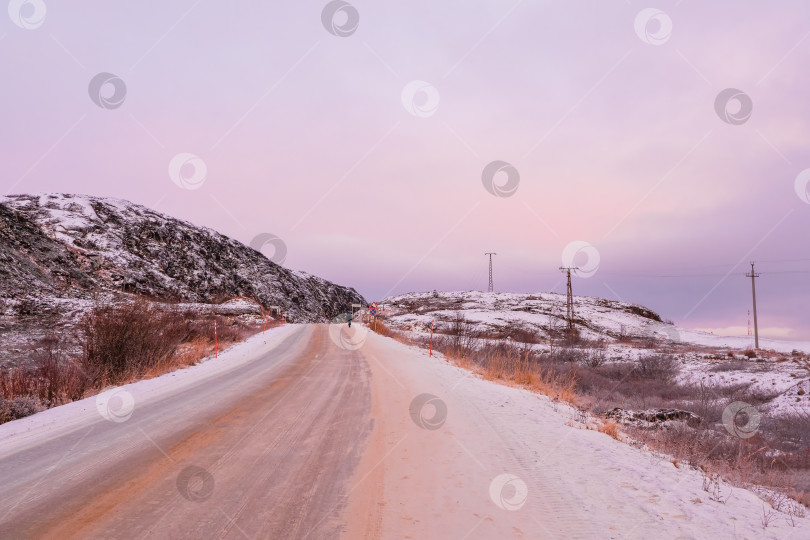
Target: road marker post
x,y
216,347
431,338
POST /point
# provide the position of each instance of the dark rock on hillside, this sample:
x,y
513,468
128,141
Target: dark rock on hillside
x,y
652,417
68,247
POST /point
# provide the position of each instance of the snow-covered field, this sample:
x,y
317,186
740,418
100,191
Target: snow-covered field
x,y
597,318
781,368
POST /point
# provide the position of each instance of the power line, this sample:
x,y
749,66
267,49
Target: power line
x,y
633,274
700,275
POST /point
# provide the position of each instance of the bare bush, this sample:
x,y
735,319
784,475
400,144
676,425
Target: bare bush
x,y
523,335
54,379
657,366
463,335
124,341
570,354
19,407
120,343
59,379
597,354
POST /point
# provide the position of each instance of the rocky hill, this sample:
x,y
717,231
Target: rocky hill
x,y
514,314
59,254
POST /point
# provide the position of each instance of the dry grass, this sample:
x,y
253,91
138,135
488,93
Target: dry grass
x,y
521,369
609,428
502,361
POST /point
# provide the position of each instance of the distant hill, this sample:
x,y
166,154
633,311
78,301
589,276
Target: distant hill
x,y
516,314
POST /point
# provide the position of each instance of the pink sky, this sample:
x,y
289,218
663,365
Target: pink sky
x,y
305,135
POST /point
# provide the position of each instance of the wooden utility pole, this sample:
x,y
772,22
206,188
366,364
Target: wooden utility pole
x,y
753,275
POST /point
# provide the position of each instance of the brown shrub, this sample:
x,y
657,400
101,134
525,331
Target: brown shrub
x,y
59,378
18,407
54,378
126,340
120,343
657,366
609,428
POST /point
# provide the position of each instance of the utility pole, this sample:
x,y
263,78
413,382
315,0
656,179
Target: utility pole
x,y
491,288
569,304
753,275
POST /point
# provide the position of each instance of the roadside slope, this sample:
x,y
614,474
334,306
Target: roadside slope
x,y
446,480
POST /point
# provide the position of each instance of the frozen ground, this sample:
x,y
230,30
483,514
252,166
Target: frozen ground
x,y
565,480
597,318
781,369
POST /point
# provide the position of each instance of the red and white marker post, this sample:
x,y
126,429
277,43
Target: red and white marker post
x,y
431,338
216,347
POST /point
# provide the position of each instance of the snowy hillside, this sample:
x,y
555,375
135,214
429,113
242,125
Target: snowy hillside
x,y
72,246
60,255
780,370
502,314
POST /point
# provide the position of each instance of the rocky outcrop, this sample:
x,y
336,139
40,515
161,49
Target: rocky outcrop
x,y
69,247
652,418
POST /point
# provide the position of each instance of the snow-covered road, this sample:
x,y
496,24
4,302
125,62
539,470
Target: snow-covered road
x,y
307,433
259,443
563,481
